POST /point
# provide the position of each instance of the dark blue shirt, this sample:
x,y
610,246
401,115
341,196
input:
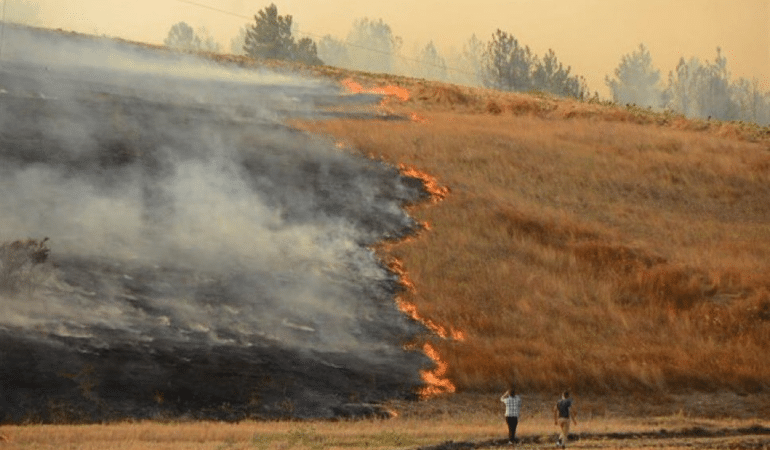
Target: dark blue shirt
x,y
563,406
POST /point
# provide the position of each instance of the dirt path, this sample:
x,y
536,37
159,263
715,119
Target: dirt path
x,y
752,437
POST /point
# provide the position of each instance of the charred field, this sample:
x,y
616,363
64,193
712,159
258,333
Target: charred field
x,y
201,259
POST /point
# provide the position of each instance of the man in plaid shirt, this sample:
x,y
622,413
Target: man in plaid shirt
x,y
512,409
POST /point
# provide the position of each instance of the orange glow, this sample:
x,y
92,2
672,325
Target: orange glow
x,y
436,191
435,379
391,91
414,117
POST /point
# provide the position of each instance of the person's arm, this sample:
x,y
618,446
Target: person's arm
x,y
574,415
505,395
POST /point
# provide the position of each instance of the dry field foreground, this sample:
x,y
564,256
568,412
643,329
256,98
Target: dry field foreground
x,y
459,422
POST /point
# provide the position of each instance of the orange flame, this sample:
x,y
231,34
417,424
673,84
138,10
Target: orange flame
x,y
435,379
436,191
394,91
414,117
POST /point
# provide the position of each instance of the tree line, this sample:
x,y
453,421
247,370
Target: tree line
x,y
694,88
502,63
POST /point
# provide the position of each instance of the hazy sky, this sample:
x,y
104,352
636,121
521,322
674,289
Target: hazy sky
x,y
589,35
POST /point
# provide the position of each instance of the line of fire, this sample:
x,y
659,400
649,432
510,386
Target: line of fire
x,y
435,379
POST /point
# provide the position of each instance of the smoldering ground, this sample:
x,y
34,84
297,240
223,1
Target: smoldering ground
x,y
205,259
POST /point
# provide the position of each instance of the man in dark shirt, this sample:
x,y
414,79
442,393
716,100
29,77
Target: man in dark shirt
x,y
562,416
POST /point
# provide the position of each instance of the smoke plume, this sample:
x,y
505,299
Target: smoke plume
x,y
206,259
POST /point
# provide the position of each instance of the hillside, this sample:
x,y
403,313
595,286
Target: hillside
x,y
602,249
588,246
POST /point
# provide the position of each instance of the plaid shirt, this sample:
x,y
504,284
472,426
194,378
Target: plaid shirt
x,y
512,405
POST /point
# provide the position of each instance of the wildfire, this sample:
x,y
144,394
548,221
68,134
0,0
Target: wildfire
x,y
435,379
436,191
394,91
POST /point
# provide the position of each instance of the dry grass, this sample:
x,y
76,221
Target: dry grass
x,y
584,245
483,424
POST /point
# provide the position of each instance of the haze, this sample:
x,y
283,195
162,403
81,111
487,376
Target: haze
x,y
589,35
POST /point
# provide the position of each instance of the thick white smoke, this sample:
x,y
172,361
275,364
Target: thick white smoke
x,y
179,207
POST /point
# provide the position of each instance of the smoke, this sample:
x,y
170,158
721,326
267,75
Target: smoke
x,y
183,215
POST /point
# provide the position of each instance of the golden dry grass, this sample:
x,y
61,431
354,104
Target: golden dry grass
x,y
583,245
451,424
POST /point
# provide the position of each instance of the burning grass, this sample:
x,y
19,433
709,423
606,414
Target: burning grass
x,y
584,245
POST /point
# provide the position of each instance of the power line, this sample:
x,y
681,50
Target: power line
x,y
214,9
2,32
347,44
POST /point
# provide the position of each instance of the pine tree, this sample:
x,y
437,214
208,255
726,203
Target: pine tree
x,y
507,65
636,81
270,37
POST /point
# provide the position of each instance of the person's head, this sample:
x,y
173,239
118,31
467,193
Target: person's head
x,y
512,390
565,394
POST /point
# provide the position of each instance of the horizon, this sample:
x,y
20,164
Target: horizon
x,y
590,36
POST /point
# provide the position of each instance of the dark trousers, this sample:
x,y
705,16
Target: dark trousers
x,y
512,423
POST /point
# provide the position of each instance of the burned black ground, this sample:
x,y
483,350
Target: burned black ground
x,y
207,260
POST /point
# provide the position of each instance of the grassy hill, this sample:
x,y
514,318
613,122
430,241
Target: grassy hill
x,y
580,245
576,245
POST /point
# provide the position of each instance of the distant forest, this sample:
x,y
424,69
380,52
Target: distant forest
x,y
694,88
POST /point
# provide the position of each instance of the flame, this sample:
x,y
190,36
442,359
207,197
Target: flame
x,y
393,91
414,117
435,379
436,191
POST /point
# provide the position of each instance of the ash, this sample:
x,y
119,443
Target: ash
x,y
206,260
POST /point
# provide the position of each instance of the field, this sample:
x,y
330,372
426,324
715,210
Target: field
x,y
617,252
461,421
596,247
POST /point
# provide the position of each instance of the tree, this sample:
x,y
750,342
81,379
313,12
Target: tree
x,y
182,36
306,51
207,43
507,65
636,81
270,37
238,42
549,75
333,51
682,86
698,89
471,60
431,65
754,106
372,46
714,93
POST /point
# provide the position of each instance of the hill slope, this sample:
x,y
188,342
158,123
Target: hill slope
x,y
580,245
588,246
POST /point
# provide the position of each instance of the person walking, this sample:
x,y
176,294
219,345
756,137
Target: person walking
x,y
512,410
562,417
